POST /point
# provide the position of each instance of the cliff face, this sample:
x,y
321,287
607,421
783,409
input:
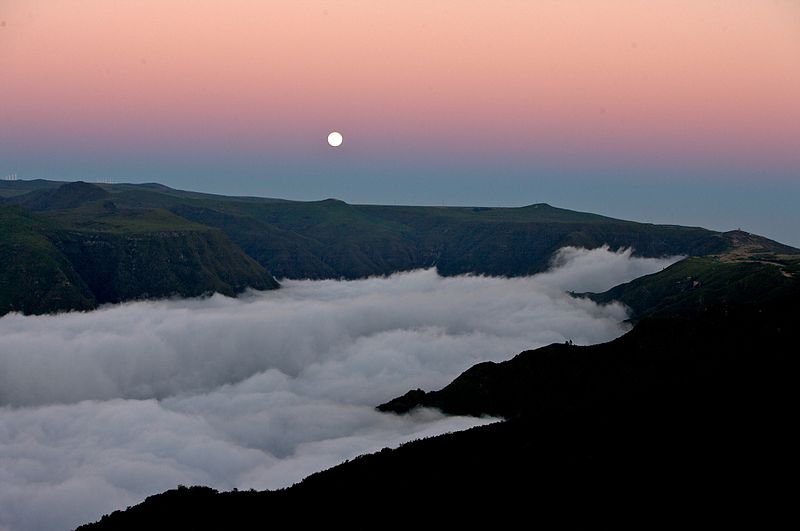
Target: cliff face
x,y
48,265
332,239
119,267
35,277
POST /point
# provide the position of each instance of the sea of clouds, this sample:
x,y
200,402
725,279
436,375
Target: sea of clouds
x,y
100,409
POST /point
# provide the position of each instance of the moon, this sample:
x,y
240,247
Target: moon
x,y
335,139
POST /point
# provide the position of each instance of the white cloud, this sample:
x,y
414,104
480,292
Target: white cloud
x,y
100,409
583,270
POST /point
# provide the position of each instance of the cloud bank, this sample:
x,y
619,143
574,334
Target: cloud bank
x,y
100,409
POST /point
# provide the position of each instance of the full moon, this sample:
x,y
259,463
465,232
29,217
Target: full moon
x,y
335,139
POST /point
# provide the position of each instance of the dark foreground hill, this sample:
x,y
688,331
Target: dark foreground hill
x,y
681,422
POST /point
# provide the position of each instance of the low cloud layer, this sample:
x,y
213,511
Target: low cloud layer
x,y
100,409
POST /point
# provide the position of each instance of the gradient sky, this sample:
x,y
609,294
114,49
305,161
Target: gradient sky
x,y
681,111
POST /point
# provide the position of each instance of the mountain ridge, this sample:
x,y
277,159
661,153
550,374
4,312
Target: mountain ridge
x,y
456,240
595,435
73,248
696,284
329,238
705,366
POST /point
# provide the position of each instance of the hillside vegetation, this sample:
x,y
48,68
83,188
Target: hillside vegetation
x,y
697,284
35,277
127,241
72,248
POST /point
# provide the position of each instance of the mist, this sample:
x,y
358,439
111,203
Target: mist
x,y
100,409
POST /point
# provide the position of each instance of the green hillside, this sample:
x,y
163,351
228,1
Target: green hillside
x,y
693,285
159,263
333,239
226,243
35,277
73,247
66,196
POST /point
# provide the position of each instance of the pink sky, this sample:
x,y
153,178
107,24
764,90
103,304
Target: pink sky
x,y
649,80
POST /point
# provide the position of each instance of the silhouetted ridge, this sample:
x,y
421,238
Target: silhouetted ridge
x,y
678,420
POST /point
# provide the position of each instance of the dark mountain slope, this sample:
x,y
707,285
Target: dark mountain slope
x,y
69,195
679,420
332,239
20,187
322,239
745,274
129,253
81,249
730,348
35,277
521,241
160,263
